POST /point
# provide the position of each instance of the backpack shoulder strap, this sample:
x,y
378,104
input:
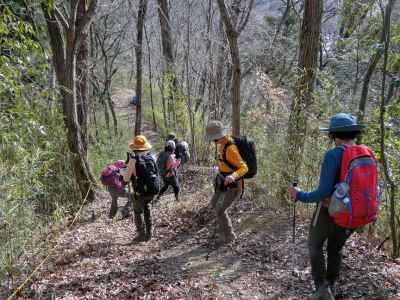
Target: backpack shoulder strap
x,y
224,159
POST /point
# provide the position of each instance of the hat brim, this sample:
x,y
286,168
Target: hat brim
x,y
144,147
215,136
344,128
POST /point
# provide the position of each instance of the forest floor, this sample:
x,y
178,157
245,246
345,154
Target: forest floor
x,y
96,258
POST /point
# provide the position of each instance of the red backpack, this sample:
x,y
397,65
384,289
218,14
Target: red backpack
x,y
359,173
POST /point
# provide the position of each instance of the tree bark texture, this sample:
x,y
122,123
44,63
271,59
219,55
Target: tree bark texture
x,y
234,24
309,41
169,73
139,64
82,76
150,78
373,62
384,160
65,50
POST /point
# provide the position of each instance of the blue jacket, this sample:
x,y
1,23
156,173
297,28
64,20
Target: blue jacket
x,y
330,172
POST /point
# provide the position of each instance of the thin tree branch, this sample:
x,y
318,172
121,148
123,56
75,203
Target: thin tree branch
x,y
225,17
85,23
244,20
61,18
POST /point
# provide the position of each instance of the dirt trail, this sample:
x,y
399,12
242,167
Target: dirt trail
x,y
98,260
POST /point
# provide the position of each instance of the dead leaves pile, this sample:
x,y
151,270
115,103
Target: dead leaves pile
x,y
97,259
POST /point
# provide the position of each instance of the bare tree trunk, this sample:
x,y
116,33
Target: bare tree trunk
x,y
373,62
169,74
188,87
307,64
150,79
64,58
82,75
139,69
112,109
233,30
219,94
384,161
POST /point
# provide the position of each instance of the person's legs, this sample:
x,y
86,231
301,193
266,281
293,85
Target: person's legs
x,y
115,194
213,202
221,207
336,242
138,208
128,204
317,236
176,187
114,206
165,187
147,218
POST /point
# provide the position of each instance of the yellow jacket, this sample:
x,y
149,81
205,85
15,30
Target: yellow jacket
x,y
233,157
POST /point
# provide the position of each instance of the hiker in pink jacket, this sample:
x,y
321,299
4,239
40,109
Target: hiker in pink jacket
x,y
170,171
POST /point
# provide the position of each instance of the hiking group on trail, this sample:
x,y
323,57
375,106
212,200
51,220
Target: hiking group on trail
x,y
346,197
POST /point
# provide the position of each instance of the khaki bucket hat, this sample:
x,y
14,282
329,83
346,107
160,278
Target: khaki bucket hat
x,y
215,130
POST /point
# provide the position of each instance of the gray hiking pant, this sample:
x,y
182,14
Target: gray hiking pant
x,y
142,218
326,229
115,194
220,202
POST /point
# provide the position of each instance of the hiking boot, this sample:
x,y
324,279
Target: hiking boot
x,y
156,200
230,238
332,287
225,239
125,213
323,293
148,235
149,232
177,198
141,235
148,225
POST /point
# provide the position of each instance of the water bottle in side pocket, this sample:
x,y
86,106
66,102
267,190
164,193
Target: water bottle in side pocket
x,y
339,198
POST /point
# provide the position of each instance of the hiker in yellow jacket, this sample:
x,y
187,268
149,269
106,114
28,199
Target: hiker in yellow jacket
x,y
228,183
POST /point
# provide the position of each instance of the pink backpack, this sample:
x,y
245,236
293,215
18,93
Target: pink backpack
x,y
110,175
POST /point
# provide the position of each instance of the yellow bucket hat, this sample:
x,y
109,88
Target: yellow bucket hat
x,y
140,143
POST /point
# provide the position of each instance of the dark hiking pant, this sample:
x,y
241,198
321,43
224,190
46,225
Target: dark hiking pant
x,y
170,181
142,218
115,194
220,203
326,229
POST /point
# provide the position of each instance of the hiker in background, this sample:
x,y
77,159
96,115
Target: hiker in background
x,y
181,148
111,179
168,165
229,182
142,169
343,193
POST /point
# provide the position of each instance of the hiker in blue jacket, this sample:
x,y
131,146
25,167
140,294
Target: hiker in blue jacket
x,y
343,130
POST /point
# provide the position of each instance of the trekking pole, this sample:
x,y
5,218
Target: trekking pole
x,y
294,215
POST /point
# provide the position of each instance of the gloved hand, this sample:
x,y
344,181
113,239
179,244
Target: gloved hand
x,y
228,180
123,171
293,192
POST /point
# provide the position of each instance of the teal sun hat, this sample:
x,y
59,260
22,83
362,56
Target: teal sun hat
x,y
343,122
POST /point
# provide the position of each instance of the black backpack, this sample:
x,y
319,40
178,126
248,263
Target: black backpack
x,y
247,151
148,179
